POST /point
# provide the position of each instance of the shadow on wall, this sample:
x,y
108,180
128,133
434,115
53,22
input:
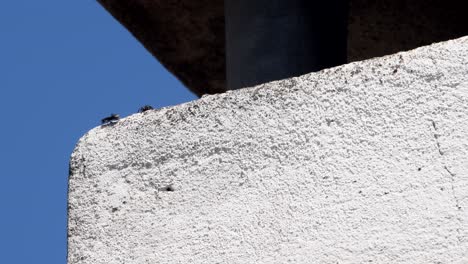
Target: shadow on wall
x,y
382,27
188,36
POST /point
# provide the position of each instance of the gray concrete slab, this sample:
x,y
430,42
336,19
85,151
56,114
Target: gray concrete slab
x,y
188,37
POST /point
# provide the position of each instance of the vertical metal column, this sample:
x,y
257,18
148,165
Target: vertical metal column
x,y
269,40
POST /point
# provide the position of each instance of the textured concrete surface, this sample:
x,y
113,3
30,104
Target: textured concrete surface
x,y
188,36
367,162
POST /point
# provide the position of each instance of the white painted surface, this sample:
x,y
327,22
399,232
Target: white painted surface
x,y
367,162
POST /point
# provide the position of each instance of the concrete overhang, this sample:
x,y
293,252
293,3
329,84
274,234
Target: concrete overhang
x,y
188,38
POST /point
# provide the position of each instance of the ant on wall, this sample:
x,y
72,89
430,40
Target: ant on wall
x,y
112,119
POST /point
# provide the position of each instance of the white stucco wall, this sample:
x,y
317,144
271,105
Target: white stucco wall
x,y
367,162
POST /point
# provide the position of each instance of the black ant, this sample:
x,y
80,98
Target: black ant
x,y
112,119
145,108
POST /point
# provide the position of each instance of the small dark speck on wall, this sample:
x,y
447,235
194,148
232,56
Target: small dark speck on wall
x,y
168,188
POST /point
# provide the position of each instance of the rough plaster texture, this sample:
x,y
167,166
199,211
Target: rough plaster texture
x,y
366,162
188,36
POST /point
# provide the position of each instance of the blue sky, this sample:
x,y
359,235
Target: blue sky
x,y
64,65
